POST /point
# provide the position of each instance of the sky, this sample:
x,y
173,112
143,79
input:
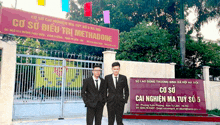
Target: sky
x,y
210,30
54,8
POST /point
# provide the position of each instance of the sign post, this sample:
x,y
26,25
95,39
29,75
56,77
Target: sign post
x,y
161,95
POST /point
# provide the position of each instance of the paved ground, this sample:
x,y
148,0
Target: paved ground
x,y
82,121
45,109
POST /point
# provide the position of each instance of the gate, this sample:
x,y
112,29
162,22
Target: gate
x,y
49,87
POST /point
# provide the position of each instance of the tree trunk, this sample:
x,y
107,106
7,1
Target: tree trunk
x,y
182,33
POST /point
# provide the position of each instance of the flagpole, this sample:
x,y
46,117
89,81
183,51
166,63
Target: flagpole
x,y
109,20
91,13
15,4
91,19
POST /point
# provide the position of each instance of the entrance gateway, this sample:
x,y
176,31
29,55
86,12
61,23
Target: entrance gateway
x,y
48,86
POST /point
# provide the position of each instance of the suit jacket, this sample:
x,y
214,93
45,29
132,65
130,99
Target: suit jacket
x,y
91,95
116,95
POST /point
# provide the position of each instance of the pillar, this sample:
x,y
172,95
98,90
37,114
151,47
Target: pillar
x,y
7,81
207,87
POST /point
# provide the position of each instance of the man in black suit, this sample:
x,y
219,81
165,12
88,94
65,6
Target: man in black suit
x,y
117,94
93,94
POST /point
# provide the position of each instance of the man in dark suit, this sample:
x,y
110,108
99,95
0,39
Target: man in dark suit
x,y
117,94
94,96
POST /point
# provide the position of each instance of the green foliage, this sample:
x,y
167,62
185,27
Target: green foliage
x,y
147,43
206,10
214,112
188,72
46,47
205,53
125,14
71,48
199,54
30,42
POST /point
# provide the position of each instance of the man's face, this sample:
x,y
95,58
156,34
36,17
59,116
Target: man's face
x,y
116,70
96,72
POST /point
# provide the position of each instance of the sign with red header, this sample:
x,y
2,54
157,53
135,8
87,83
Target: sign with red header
x,y
161,95
38,26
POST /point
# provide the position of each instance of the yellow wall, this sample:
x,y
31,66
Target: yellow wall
x,y
51,77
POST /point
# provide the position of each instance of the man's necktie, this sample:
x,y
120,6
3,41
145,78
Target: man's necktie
x,y
97,87
116,81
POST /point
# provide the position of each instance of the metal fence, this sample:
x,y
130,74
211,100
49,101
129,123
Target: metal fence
x,y
40,78
49,80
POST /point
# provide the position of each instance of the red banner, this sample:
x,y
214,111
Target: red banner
x,y
38,26
88,9
160,95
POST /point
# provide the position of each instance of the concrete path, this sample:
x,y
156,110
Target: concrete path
x,y
82,121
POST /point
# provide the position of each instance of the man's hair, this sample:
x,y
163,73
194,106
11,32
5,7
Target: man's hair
x,y
96,66
115,64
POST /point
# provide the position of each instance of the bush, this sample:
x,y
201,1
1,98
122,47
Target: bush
x,y
214,112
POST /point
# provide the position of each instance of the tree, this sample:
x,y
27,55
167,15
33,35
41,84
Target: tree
x,y
198,54
205,10
125,14
147,43
214,7
203,53
54,48
29,42
140,45
150,43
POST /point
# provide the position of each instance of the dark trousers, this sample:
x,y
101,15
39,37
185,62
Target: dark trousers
x,y
94,112
115,110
